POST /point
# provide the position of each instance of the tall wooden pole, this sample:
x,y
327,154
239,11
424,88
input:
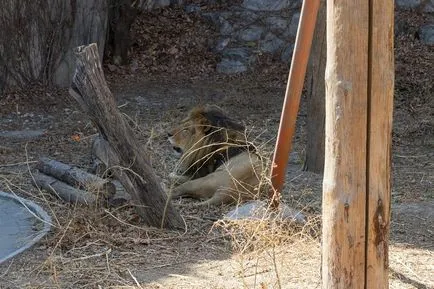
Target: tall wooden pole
x,y
356,187
297,72
381,86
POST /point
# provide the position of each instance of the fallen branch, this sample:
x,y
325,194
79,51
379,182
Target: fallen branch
x,y
63,190
76,177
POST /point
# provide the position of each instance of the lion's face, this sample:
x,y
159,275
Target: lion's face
x,y
184,136
198,136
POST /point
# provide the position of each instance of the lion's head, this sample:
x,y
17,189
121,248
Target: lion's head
x,y
199,138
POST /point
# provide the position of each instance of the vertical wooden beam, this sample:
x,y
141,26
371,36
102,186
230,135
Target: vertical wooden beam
x,y
344,186
381,84
359,104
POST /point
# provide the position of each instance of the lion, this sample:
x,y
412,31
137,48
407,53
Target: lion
x,y
216,162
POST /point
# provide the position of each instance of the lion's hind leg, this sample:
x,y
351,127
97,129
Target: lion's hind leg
x,y
201,188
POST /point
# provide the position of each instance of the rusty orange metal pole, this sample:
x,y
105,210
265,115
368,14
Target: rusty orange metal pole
x,y
297,72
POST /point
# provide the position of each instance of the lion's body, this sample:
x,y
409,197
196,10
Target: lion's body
x,y
217,164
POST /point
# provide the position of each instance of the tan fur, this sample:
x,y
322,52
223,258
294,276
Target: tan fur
x,y
202,138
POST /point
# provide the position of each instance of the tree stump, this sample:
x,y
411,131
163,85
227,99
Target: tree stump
x,y
134,171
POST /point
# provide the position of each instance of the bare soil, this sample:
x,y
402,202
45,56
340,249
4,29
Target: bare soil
x,y
102,247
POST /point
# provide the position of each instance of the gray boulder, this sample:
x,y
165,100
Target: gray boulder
x,y
276,24
271,43
252,33
426,34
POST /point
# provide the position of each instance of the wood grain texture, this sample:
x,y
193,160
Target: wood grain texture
x,y
90,90
344,186
381,82
359,104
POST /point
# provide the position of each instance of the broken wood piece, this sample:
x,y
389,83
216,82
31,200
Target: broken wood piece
x,y
134,169
76,177
63,190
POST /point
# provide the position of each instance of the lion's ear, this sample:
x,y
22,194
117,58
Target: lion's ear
x,y
205,124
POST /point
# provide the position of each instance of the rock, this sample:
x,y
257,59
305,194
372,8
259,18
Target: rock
x,y
252,33
293,26
401,27
408,4
161,3
221,44
270,5
212,17
228,66
271,43
429,7
192,8
426,34
242,54
286,55
225,27
245,18
276,24
258,210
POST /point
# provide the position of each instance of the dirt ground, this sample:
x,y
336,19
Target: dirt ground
x,y
110,248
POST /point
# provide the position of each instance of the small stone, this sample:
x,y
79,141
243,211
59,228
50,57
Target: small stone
x,y
426,34
242,54
276,24
271,43
246,18
258,210
270,5
408,4
252,33
192,8
221,44
228,66
225,27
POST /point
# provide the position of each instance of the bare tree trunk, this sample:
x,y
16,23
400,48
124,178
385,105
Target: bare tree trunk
x,y
37,38
316,96
121,16
135,173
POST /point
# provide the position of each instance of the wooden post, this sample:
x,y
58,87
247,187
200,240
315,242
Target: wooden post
x,y
356,188
381,86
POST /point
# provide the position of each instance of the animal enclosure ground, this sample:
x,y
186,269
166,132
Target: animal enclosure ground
x,y
108,247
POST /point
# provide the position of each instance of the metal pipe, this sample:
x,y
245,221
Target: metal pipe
x,y
297,72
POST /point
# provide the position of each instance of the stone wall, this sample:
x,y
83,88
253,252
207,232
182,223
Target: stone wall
x,y
257,27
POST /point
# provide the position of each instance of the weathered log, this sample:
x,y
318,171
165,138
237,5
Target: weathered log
x,y
90,90
76,177
63,190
